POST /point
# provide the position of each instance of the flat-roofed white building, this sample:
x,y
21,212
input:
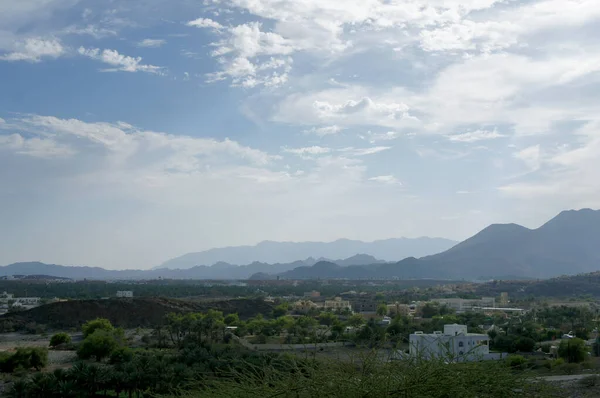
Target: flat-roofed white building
x,y
125,293
453,344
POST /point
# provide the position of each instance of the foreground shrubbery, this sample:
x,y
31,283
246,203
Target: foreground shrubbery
x,y
24,359
220,371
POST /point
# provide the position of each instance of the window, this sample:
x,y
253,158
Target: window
x,y
461,344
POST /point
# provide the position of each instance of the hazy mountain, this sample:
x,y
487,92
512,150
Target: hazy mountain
x,y
567,244
286,252
220,270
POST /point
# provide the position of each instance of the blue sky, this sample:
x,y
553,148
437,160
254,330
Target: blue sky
x,y
133,132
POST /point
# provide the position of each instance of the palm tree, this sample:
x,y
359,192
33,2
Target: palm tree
x,y
19,389
42,385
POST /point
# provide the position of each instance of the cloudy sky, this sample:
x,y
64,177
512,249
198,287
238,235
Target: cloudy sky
x,y
132,132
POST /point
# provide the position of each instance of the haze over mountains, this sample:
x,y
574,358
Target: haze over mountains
x,y
567,244
220,270
286,252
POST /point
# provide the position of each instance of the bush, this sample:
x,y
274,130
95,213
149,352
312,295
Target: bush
x,y
97,324
516,361
568,368
590,381
121,355
572,350
99,345
24,358
60,338
524,344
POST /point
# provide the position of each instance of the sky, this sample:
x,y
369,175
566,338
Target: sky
x,y
134,132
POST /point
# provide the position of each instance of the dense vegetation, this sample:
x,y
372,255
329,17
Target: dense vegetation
x,y
200,363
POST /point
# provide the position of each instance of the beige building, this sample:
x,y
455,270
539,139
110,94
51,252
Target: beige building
x,y
303,306
337,304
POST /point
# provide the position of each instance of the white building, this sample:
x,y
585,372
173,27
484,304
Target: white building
x,y
125,293
453,344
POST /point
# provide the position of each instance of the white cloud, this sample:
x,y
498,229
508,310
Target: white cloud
x,y
120,62
387,136
312,150
531,156
36,147
323,131
364,151
34,50
474,136
126,140
97,32
386,179
205,23
249,56
151,43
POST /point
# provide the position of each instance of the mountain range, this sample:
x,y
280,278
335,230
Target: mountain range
x,y
567,244
287,252
219,270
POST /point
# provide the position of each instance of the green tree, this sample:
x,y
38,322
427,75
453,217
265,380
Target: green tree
x,y
572,350
280,310
327,318
38,358
525,344
382,309
99,345
232,320
97,324
356,320
430,310
60,338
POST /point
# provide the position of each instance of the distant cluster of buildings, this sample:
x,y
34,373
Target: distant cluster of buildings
x,y
368,304
8,301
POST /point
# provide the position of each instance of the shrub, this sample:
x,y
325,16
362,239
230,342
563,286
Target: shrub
x,y
99,345
121,355
516,361
97,324
590,381
525,344
24,358
60,338
572,350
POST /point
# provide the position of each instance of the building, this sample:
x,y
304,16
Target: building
x,y
125,293
453,344
337,304
364,305
398,309
504,298
303,306
462,305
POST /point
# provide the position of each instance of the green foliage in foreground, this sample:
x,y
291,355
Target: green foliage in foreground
x,y
370,377
25,359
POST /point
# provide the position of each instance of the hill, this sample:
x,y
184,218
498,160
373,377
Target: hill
x,y
286,252
567,244
220,270
126,313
